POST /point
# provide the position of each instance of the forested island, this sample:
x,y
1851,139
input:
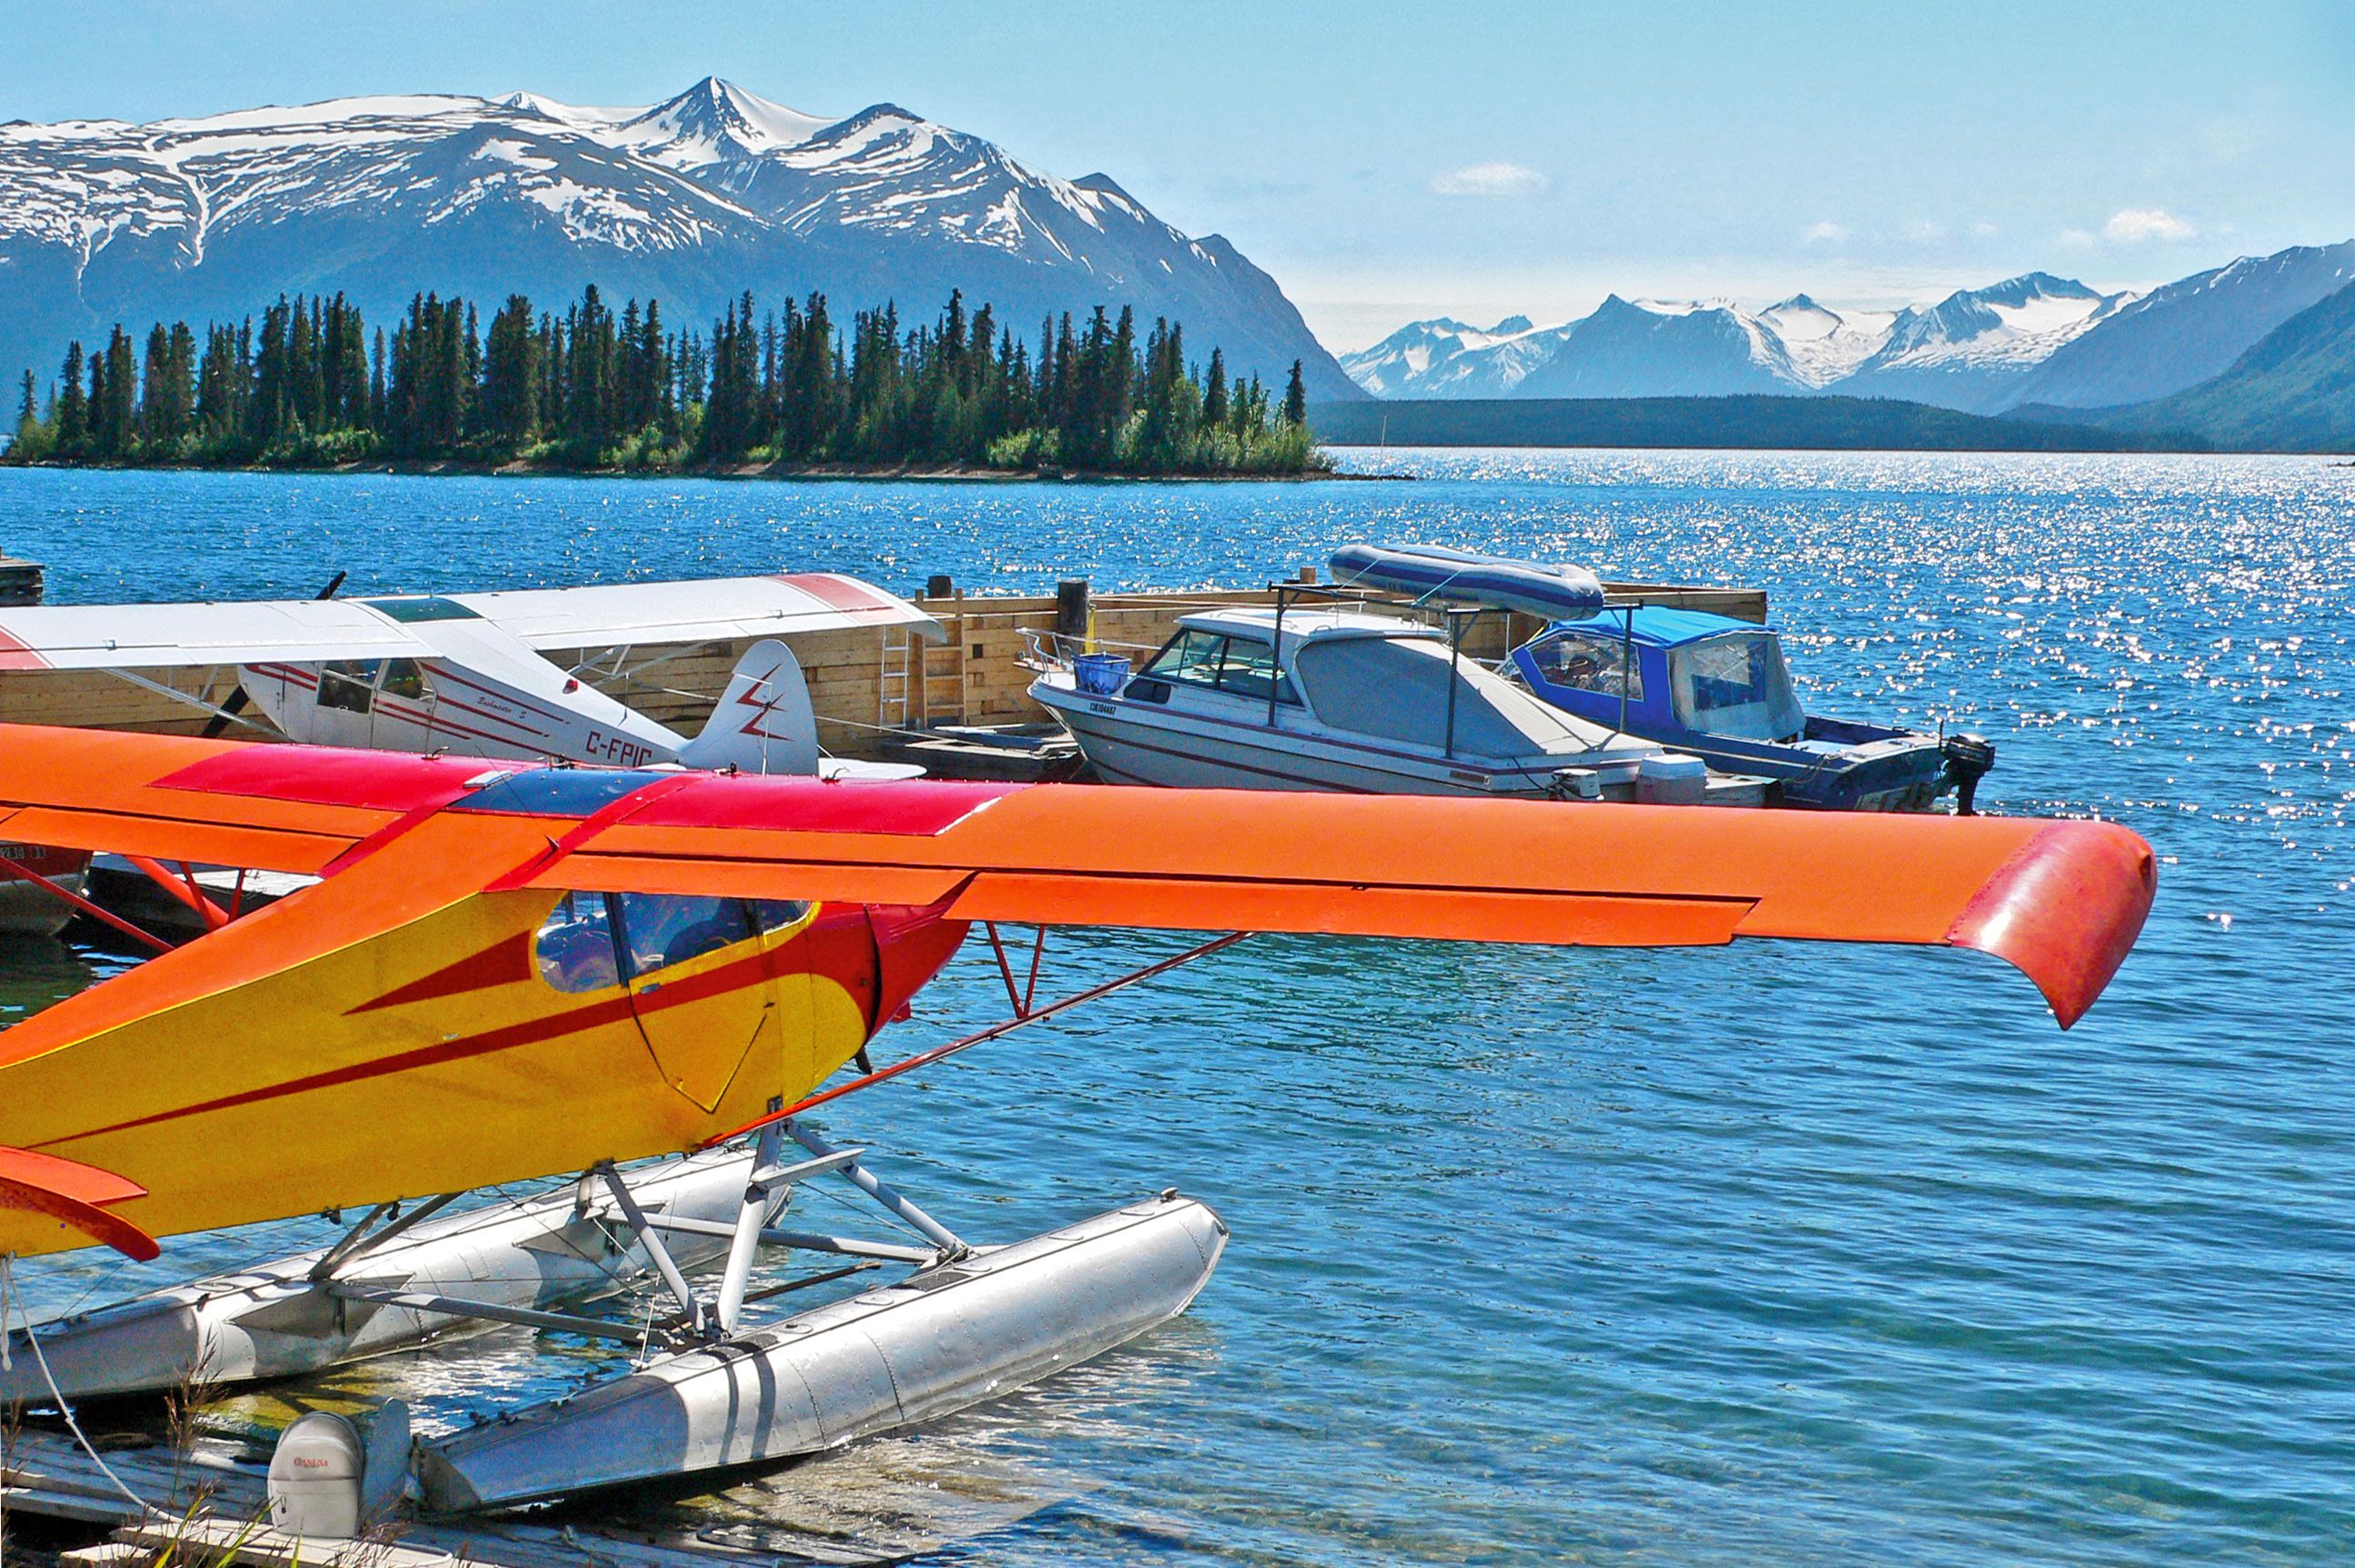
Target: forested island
x,y
591,391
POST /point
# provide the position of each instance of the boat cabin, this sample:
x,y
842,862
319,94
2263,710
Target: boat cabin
x,y
1670,672
1719,689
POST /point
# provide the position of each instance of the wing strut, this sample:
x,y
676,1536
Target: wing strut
x,y
1024,1014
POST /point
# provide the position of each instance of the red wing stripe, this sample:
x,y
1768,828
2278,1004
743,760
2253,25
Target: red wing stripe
x,y
848,595
16,654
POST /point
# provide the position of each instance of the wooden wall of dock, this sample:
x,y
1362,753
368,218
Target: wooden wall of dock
x,y
862,684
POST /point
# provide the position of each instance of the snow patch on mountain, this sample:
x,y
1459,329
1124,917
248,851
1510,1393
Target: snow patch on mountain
x,y
1823,345
1447,358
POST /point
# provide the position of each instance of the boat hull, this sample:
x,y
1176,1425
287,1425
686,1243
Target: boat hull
x,y
948,1337
28,909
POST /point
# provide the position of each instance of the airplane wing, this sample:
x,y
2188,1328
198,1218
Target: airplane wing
x,y
316,1054
638,613
167,636
111,792
2062,900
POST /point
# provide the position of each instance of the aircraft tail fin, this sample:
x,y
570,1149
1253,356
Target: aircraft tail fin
x,y
763,723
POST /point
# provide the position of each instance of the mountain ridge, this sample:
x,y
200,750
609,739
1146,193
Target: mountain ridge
x,y
694,199
2036,342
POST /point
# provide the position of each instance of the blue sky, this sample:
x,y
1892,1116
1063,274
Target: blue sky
x,y
1392,160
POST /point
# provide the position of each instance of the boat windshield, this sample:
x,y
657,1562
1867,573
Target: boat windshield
x,y
1396,687
1736,684
1236,665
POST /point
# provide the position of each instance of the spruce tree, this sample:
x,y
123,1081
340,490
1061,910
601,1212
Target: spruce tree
x,y
1295,399
73,405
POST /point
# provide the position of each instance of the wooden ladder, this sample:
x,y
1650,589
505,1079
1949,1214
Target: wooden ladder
x,y
897,671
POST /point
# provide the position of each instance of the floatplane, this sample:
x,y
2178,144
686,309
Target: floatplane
x,y
510,972
463,673
467,673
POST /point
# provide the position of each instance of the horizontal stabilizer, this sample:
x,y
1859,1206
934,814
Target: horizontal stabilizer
x,y
74,1195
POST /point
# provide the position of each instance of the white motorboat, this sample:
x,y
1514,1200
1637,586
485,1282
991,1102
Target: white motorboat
x,y
1347,699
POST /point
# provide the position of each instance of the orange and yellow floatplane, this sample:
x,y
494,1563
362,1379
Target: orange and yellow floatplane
x,y
508,972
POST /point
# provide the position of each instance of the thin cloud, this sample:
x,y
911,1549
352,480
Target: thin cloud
x,y
1825,233
1510,181
2135,225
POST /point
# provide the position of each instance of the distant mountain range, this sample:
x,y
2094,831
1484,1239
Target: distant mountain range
x,y
693,200
2294,390
2032,341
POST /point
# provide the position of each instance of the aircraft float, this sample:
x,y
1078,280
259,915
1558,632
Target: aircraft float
x,y
510,971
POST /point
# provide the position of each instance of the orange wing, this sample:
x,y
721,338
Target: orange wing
x,y
107,1099
2062,900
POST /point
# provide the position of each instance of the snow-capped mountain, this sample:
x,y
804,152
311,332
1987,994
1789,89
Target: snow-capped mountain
x,y
1445,358
693,200
1665,348
1972,349
1823,345
2189,331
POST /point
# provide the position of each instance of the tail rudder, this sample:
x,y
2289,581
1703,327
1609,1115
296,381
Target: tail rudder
x,y
764,723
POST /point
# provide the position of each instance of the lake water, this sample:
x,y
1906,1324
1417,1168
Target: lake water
x,y
1781,1254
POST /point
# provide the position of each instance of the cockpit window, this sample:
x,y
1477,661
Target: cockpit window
x,y
658,928
575,946
1191,656
402,678
348,684
773,915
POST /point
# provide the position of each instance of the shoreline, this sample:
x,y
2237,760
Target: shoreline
x,y
941,473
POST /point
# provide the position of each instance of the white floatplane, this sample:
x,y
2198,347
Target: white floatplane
x,y
465,672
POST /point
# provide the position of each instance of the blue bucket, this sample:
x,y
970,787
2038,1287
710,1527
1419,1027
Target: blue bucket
x,y
1099,675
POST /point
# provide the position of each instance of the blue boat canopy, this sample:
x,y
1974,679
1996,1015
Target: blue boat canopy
x,y
1433,572
1658,626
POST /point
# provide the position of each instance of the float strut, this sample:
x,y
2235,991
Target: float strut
x,y
931,1230
746,1242
636,1218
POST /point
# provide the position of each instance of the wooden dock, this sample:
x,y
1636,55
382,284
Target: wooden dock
x,y
20,581
877,1502
866,686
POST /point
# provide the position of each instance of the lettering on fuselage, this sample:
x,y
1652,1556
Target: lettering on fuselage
x,y
618,749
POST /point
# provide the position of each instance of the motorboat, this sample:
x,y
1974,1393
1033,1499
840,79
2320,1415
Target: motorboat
x,y
1719,689
1341,698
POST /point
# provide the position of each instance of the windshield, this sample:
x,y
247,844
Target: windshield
x,y
1736,686
1236,665
1397,688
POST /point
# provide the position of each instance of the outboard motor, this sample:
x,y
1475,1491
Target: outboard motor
x,y
1968,759
329,1481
